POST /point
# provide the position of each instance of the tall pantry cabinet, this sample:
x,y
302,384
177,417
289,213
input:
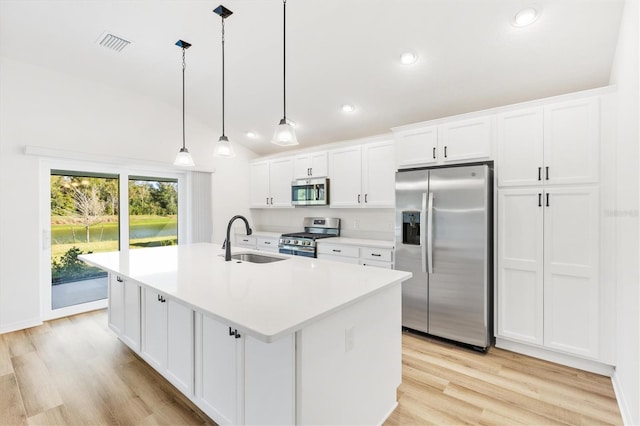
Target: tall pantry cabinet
x,y
548,285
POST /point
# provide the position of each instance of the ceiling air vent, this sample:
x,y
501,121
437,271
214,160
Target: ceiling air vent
x,y
112,42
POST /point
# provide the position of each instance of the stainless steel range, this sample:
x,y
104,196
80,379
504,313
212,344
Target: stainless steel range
x,y
304,243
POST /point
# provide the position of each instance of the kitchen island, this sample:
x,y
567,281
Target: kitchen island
x,y
296,341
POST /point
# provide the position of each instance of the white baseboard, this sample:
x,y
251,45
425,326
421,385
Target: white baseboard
x,y
20,325
625,411
557,357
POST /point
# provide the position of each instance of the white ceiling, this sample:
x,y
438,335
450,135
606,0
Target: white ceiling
x,y
338,51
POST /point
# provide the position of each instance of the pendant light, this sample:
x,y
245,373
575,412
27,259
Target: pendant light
x,y
183,158
223,147
284,134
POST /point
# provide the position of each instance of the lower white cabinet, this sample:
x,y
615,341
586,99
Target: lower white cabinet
x,y
548,290
347,253
168,342
268,244
124,310
262,375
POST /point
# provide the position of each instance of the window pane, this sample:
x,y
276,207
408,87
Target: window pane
x,y
84,219
153,212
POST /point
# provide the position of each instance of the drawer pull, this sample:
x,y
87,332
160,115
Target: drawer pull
x,y
337,251
268,242
376,254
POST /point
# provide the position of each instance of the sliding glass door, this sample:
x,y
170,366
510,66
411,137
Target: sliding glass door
x,y
153,212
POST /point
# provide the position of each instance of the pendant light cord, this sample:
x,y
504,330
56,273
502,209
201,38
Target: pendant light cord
x,y
284,58
223,76
184,65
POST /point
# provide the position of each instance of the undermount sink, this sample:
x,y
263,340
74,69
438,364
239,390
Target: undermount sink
x,y
255,258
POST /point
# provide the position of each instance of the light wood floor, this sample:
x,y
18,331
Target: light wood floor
x,y
75,371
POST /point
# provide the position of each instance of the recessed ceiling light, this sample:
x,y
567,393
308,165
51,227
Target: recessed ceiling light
x,y
525,17
348,108
408,58
251,135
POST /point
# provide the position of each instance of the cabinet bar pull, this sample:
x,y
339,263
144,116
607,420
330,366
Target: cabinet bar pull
x,y
267,200
539,200
376,254
271,200
445,152
547,199
309,171
231,332
546,171
539,173
119,279
268,242
337,251
365,198
358,198
434,152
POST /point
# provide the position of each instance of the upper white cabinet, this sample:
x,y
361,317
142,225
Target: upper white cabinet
x,y
271,183
454,142
553,144
548,291
363,175
310,165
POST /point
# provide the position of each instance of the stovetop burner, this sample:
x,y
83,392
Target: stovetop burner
x,y
304,242
310,235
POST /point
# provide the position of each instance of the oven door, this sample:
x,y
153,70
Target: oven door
x,y
298,251
310,192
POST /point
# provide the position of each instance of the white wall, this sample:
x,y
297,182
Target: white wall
x,y
44,108
626,74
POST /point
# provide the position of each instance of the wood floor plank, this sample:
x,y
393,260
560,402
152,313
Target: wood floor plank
x,y
19,343
38,390
55,416
11,408
6,367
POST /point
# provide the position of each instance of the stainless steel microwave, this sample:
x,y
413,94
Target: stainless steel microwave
x,y
310,192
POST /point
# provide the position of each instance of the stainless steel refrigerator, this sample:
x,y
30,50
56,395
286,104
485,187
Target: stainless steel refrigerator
x,y
444,236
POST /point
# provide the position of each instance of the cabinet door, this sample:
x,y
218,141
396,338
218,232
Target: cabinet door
x,y
260,184
466,140
222,374
346,174
417,147
319,164
379,174
310,165
180,346
571,314
270,381
571,142
116,303
520,265
520,142
267,244
280,177
131,330
154,347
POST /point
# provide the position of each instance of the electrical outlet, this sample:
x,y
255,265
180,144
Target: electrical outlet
x,y
349,339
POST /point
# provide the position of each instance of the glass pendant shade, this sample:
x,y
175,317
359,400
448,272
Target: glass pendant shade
x,y
223,148
284,134
183,159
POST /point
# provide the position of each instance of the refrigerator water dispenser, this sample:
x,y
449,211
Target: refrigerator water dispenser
x,y
411,227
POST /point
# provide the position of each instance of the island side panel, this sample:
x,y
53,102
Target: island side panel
x,y
349,365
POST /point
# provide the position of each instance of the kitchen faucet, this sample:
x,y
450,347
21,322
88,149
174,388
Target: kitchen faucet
x,y
227,243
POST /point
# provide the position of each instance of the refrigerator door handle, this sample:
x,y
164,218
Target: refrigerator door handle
x,y
430,234
423,221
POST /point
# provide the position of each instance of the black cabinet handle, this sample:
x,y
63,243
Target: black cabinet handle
x,y
234,332
365,198
546,171
547,199
267,200
539,173
539,200
358,198
445,152
161,299
434,152
271,200
268,242
337,251
376,254
119,279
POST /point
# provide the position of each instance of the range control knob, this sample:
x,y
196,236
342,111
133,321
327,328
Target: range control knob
x,y
307,243
295,241
287,241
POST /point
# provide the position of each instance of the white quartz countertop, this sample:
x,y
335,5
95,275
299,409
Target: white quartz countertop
x,y
267,301
358,242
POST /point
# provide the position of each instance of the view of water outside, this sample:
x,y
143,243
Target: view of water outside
x,y
85,219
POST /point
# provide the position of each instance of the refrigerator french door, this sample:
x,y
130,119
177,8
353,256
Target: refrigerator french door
x,y
444,237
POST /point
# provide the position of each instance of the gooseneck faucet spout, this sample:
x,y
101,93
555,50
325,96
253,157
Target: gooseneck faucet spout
x,y
227,241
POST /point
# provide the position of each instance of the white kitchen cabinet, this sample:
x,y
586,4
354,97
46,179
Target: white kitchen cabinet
x,y
168,339
271,183
124,310
263,375
363,176
454,142
466,140
548,268
357,254
310,165
549,145
268,244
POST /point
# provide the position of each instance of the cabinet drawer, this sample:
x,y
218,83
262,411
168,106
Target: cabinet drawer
x,y
264,243
376,264
338,250
384,255
245,241
336,258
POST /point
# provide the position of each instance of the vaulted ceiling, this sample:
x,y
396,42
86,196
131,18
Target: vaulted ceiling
x,y
470,57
